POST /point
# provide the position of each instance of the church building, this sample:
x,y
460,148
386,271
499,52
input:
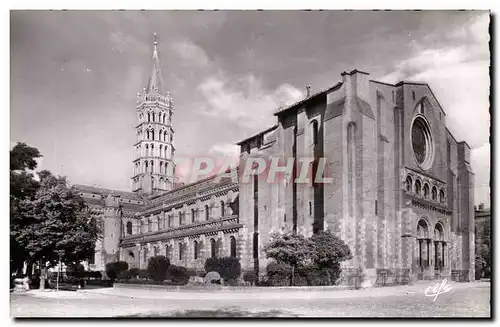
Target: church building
x,y
399,190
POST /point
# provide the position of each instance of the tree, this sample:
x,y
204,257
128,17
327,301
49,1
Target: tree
x,y
483,246
22,186
55,224
329,250
289,248
114,269
157,267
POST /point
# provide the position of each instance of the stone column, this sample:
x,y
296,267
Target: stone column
x,y
139,255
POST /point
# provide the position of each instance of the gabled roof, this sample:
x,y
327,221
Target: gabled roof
x,y
258,134
298,103
106,192
423,84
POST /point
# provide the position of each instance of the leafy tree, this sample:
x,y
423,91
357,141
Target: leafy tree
x,y
313,261
329,250
22,186
54,224
157,267
114,269
483,245
289,248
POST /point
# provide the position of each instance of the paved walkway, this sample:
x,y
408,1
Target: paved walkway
x,y
253,293
464,300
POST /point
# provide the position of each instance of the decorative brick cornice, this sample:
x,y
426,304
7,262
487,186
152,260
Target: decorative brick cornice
x,y
180,200
430,206
211,227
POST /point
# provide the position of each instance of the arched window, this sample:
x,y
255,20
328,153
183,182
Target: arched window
x,y
129,228
441,196
158,224
418,187
145,256
165,136
233,246
426,190
161,167
150,225
161,150
409,183
152,150
181,251
181,218
153,134
153,114
164,117
222,209
196,249
149,120
314,130
213,248
151,166
434,193
193,216
147,134
146,167
207,213
155,251
170,218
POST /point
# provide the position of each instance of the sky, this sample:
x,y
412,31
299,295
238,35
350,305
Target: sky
x,y
75,76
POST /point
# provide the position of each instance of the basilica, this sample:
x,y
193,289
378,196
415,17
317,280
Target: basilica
x,y
400,190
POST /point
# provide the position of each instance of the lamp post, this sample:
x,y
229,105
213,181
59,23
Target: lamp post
x,y
58,272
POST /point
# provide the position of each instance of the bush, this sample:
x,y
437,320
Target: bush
x,y
95,274
278,274
77,271
134,272
229,268
124,275
142,274
317,277
178,275
113,269
157,267
250,277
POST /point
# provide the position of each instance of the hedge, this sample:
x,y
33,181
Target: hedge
x,y
157,267
177,274
114,269
229,268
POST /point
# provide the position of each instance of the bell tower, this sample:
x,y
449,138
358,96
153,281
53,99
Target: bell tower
x,y
154,151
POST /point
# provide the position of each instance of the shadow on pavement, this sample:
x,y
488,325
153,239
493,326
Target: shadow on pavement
x,y
219,313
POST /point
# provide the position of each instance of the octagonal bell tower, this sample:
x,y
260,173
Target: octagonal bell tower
x,y
154,167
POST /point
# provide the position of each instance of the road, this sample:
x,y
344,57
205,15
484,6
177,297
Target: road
x,y
471,301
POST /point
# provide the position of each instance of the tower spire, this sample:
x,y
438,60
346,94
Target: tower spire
x,y
155,83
